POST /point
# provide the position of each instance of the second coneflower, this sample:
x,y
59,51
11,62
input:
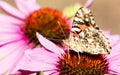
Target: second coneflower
x,y
70,63
85,64
55,61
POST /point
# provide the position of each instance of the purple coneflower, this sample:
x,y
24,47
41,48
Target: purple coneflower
x,y
56,61
18,29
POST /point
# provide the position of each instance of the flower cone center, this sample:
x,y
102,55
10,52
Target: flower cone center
x,y
86,64
47,22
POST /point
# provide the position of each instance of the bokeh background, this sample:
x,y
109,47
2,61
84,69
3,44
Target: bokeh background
x,y
106,12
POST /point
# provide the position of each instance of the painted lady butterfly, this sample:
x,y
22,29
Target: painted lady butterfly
x,y
85,35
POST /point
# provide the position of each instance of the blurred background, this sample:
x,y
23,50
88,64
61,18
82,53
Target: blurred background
x,y
106,12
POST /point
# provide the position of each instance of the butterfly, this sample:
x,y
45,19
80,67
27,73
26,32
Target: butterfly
x,y
86,36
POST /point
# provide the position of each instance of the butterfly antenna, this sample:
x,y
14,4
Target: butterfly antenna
x,y
64,36
61,29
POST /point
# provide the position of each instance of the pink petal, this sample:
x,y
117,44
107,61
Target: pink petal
x,y
115,51
9,48
9,37
38,60
115,69
21,4
15,73
88,3
107,32
40,54
37,66
33,74
116,48
9,19
27,6
11,10
7,27
49,45
111,55
9,33
114,39
114,58
10,55
115,63
113,73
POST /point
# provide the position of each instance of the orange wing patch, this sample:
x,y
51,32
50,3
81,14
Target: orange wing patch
x,y
83,27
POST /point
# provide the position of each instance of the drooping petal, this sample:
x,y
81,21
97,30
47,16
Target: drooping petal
x,y
11,10
27,6
49,45
9,19
10,55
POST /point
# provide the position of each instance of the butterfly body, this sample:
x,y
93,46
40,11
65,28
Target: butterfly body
x,y
85,35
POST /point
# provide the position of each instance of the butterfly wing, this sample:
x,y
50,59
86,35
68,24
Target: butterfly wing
x,y
86,36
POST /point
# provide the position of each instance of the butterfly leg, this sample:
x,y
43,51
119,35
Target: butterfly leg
x,y
78,57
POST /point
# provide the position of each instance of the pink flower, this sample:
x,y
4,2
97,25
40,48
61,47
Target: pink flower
x,y
114,57
50,58
18,31
12,42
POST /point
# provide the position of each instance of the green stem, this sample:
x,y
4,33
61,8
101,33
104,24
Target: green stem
x,y
38,73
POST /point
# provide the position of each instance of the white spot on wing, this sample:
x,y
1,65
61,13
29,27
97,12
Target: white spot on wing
x,y
80,13
75,29
78,19
90,40
82,34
